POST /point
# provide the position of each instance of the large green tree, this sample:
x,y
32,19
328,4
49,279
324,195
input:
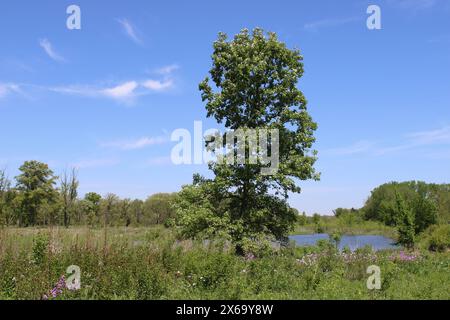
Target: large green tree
x,y
253,85
37,193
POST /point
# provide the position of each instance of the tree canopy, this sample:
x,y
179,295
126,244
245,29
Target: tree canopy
x,y
254,86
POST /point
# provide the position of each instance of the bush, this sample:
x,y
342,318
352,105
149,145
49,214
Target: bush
x,y
437,238
40,245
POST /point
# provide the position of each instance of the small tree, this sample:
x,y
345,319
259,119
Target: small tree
x,y
405,223
69,193
158,208
5,189
36,186
109,208
425,212
91,207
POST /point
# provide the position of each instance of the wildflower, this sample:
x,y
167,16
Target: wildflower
x,y
57,290
405,257
250,256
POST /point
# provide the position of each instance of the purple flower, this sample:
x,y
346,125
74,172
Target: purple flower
x,y
405,257
57,290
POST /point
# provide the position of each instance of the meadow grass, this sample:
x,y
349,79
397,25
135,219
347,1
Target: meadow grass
x,y
150,263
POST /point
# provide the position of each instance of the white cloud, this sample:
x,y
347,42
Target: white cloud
x,y
95,163
122,91
7,88
431,137
130,31
136,144
48,48
166,70
358,147
327,23
411,141
157,85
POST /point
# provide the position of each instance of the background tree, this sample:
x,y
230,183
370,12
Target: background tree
x,y
125,212
302,219
69,193
36,187
137,211
256,77
109,207
159,208
428,203
91,207
405,223
5,198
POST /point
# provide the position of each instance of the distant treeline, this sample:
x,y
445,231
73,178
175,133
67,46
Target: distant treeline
x,y
411,207
39,198
429,202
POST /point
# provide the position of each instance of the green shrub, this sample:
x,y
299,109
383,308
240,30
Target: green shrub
x,y
40,245
437,238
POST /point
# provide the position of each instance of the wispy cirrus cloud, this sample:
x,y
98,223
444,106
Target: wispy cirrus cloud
x,y
167,70
413,4
124,92
135,144
131,31
358,147
8,88
95,163
330,23
50,51
411,141
436,136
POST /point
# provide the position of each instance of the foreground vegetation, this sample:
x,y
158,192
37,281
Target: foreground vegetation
x,y
150,263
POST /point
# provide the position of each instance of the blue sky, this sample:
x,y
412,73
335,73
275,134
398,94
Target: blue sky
x,y
106,98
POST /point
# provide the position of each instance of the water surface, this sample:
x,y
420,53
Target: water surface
x,y
353,242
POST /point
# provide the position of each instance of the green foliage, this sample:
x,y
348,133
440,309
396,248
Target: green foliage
x,y
302,219
90,206
405,223
35,200
36,186
40,247
148,263
158,208
255,76
69,193
428,203
437,238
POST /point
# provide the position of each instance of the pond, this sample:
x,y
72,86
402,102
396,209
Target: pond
x,y
353,242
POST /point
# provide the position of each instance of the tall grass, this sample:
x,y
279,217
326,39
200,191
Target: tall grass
x,y
150,263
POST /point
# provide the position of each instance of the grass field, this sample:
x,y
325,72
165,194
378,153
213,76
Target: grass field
x,y
149,263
